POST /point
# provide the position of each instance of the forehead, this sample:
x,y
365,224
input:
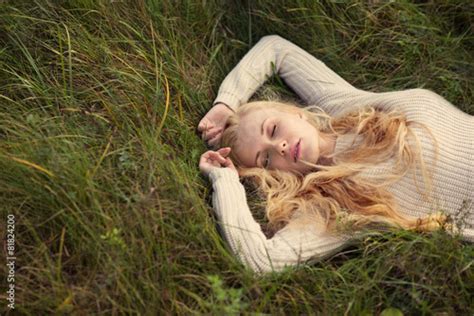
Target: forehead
x,y
250,124
249,134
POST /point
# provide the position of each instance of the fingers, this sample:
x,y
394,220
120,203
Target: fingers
x,y
211,133
228,163
205,125
212,159
224,151
216,156
214,142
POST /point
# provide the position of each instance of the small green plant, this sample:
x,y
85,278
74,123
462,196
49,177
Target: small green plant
x,y
391,311
224,301
126,162
112,237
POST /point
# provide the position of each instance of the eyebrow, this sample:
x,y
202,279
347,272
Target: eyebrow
x,y
261,133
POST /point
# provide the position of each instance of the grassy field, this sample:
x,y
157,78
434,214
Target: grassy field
x,y
99,106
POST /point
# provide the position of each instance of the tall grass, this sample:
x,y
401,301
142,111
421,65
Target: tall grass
x,y
98,145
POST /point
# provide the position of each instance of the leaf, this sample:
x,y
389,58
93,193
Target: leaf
x,y
391,311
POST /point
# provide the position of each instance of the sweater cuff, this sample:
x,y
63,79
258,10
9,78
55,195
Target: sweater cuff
x,y
225,173
229,99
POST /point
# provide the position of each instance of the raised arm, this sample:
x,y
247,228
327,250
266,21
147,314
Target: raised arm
x,y
314,82
290,246
309,77
302,72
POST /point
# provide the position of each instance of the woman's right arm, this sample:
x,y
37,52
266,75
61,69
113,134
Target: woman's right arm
x,y
302,72
292,245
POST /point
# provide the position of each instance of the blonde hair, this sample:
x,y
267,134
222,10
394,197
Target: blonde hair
x,y
337,196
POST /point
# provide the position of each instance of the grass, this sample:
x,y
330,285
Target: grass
x,y
99,106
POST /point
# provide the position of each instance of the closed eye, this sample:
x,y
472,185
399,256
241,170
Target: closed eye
x,y
267,161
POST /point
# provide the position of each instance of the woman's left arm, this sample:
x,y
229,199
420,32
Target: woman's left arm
x,y
308,76
314,82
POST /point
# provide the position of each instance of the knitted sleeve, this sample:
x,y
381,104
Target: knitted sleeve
x,y
301,71
288,247
316,83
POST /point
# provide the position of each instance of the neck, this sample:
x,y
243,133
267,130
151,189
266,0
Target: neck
x,y
327,146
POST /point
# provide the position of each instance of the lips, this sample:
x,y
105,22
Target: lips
x,y
295,153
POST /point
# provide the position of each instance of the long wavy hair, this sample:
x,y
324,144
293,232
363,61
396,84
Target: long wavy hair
x,y
338,196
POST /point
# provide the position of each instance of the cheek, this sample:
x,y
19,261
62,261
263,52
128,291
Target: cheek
x,y
313,136
241,157
279,163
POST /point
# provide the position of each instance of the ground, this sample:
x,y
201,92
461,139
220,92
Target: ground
x,y
99,106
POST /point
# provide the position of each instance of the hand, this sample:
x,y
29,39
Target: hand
x,y
215,159
212,124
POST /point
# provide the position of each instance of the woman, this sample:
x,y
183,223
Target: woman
x,y
378,160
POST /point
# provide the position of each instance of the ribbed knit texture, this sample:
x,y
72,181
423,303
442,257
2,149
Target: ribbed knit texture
x,y
318,85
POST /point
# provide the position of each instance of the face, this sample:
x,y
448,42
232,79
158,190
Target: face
x,y
271,139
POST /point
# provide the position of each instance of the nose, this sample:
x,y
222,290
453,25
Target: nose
x,y
282,147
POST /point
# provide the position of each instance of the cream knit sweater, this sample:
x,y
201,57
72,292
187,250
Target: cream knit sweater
x,y
316,84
